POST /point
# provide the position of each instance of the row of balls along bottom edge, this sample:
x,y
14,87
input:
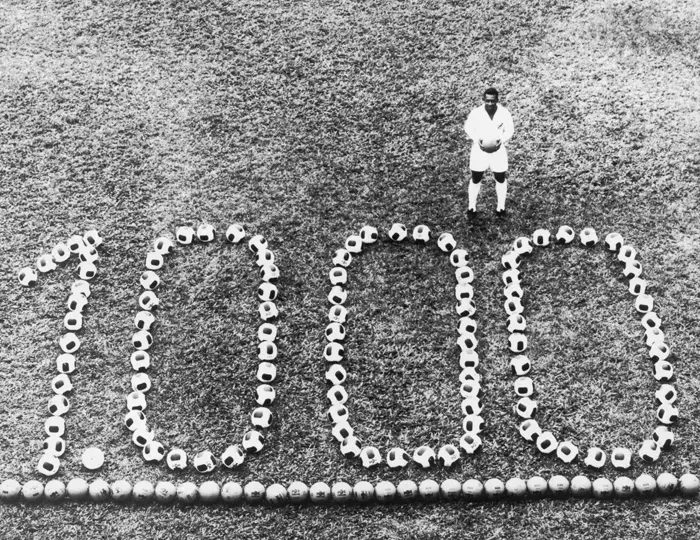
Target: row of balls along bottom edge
x,y
254,492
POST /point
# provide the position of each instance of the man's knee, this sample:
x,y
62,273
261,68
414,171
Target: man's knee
x,y
500,177
477,176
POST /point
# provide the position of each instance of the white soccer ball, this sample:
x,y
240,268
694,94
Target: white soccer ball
x,y
264,395
614,241
32,491
398,232
353,243
450,489
350,447
541,237
429,490
267,350
187,493
472,490
48,464
320,493
233,457
565,235
602,488
60,253
148,300
55,425
54,490
446,242
666,483
624,487
65,363
338,275
336,374
275,494
494,488
341,431
537,486
334,352
470,443
581,486
45,263
337,295
421,234
267,372
142,435
663,437
298,492
176,459
136,401
689,485
472,423
424,456
235,233
268,311
397,458
77,302
27,277
269,273
253,441
261,417
526,408
385,491
209,492
335,332
559,486
621,458
524,386
338,413
140,360
337,395
205,462
153,451
133,420
144,320
265,257
595,458
184,235
645,484
363,491
142,492
342,257
165,492
142,340
140,382
205,233
589,237
55,445
59,405
522,246
69,342
61,384
546,442
448,455
464,274
530,430
369,234
149,280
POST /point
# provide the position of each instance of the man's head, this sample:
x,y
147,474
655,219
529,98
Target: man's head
x,y
490,99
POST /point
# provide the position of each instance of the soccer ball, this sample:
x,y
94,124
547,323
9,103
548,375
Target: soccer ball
x,y
341,431
342,258
88,254
187,493
541,237
267,350
632,269
644,303
298,492
385,491
334,352
369,234
472,423
209,492
59,405
75,243
398,232
659,352
546,442
45,264
134,420
581,486
268,311
602,488
77,489
511,276
663,437
235,233
77,302
140,361
524,386
472,489
141,382
341,492
464,291
470,443
467,325
637,286
269,273
233,457
397,458
459,259
253,441
69,342
522,246
264,395
143,492
614,241
267,332
469,374
520,365
565,235
470,389
165,492
205,233
424,456
421,234
336,374
266,372
54,490
429,490
27,277
61,384
526,408
621,458
176,459
320,493
149,280
515,488
142,340
513,306
666,394
142,435
136,401
275,494
466,308
514,290
363,491
626,254
471,406
589,237
494,488
92,238
558,486
624,487
335,332
353,243
153,451
338,295
65,363
530,430
60,253
467,342
510,260
205,461
667,414
257,243
468,359
407,490
595,458
265,256
448,455
144,320
663,371
55,445
163,246
338,275
121,490
148,300
450,489
537,486
464,274
666,483
48,464
446,242
370,457
350,447
55,425
184,235
337,414
337,395
645,485
261,417
689,485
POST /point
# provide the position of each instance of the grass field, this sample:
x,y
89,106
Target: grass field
x,y
305,121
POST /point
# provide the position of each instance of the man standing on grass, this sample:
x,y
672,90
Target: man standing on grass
x,y
490,127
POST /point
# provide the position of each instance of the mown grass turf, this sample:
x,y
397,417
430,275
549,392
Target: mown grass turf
x,y
305,121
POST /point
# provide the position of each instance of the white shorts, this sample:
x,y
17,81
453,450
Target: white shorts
x,y
479,160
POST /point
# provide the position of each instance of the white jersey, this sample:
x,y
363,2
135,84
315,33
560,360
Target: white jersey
x,y
479,126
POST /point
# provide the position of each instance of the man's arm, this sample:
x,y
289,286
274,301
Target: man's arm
x,y
470,127
508,127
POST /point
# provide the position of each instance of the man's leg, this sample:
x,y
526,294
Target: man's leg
x,y
474,188
501,191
